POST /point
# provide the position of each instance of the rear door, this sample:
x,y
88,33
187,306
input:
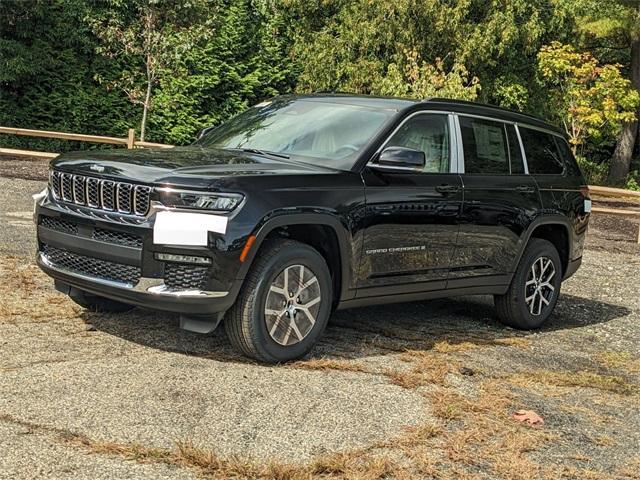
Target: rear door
x,y
500,201
412,215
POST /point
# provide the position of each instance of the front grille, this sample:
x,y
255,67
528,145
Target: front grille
x,y
102,194
59,225
178,276
119,238
93,267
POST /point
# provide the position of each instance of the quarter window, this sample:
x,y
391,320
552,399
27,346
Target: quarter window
x,y
428,133
485,144
543,157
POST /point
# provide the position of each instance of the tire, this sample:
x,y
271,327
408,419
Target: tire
x,y
99,304
259,324
513,308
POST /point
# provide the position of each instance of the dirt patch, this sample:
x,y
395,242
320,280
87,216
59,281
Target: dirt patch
x,y
26,168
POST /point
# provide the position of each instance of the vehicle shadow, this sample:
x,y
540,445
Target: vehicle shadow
x,y
367,331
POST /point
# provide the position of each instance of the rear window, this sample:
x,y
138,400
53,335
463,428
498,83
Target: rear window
x,y
567,157
485,146
543,157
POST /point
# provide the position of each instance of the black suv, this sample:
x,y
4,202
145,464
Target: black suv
x,y
305,204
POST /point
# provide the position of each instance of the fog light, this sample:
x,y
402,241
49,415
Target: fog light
x,y
170,257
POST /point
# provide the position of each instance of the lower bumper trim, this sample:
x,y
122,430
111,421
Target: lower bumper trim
x,y
154,286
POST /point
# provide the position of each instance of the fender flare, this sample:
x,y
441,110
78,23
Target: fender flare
x,y
548,219
315,218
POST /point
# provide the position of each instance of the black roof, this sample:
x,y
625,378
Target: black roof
x,y
448,104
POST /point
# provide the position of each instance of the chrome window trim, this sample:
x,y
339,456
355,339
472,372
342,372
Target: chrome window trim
x,y
373,165
522,152
459,145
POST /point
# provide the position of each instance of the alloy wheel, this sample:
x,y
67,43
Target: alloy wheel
x,y
292,305
539,290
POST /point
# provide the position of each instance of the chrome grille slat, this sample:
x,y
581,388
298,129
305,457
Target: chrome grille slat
x,y
93,192
66,187
79,189
107,194
121,197
141,200
55,184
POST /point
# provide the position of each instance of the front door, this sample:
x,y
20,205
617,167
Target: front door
x,y
412,216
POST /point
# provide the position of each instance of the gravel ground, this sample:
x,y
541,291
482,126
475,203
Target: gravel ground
x,y
137,379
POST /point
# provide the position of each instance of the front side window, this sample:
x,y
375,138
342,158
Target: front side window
x,y
310,131
486,147
543,157
428,133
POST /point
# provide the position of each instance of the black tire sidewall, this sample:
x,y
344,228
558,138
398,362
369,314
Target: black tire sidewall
x,y
539,248
296,255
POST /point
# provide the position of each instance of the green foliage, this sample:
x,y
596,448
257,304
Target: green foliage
x,y
86,67
418,79
591,100
633,181
595,173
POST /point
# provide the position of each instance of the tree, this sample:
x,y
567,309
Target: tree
x,y
139,35
591,100
419,79
350,45
618,23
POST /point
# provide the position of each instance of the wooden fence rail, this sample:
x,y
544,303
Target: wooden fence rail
x,y
128,142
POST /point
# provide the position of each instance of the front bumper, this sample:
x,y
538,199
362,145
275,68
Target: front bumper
x,y
114,258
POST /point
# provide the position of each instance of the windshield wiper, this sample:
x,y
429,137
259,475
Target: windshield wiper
x,y
265,153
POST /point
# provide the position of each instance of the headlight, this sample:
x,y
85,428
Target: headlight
x,y
222,202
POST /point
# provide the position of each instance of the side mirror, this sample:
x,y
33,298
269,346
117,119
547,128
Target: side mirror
x,y
402,157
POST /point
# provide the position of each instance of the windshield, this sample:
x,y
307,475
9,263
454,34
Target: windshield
x,y
316,132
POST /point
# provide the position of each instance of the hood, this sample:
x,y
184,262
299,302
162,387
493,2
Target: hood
x,y
193,166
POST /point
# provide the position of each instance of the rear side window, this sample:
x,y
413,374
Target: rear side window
x,y
543,157
567,157
485,144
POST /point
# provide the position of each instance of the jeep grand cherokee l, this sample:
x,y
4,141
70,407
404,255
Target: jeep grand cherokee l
x,y
306,204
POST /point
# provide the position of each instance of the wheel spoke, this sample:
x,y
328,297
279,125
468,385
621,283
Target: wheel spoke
x,y
541,297
306,285
308,314
279,291
532,301
286,281
311,303
276,323
294,327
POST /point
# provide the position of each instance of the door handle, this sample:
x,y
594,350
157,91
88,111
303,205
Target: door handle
x,y
525,189
446,188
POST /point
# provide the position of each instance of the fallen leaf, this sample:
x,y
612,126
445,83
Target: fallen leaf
x,y
529,417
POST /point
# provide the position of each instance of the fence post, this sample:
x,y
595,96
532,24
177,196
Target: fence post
x,y
131,138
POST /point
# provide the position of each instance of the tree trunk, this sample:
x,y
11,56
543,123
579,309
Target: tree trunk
x,y
621,160
145,106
